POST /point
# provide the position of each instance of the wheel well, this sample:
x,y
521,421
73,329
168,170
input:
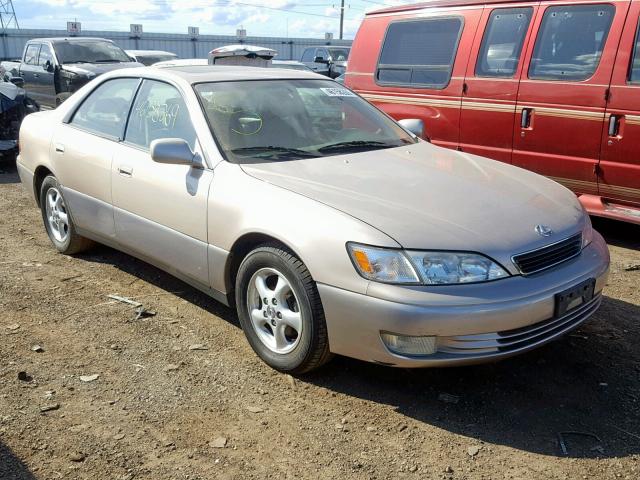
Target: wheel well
x,y
38,177
241,248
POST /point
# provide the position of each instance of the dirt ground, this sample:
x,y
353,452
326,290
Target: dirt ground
x,y
180,395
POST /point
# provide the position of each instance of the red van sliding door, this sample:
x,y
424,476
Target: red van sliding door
x,y
491,83
562,95
619,177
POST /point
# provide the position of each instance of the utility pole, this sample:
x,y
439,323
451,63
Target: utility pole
x,y
7,16
341,19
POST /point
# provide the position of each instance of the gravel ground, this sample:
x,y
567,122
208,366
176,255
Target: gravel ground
x,y
180,395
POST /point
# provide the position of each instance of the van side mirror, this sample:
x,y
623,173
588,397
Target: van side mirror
x,y
320,60
17,81
174,151
48,66
414,126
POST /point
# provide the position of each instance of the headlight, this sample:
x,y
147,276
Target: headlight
x,y
427,268
587,233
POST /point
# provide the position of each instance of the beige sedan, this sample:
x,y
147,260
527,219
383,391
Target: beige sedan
x,y
329,226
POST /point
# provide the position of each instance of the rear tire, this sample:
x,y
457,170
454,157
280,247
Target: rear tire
x,y
288,331
57,219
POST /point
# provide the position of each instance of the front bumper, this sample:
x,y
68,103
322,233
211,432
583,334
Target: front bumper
x,y
472,323
26,178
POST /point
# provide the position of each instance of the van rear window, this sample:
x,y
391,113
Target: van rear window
x,y
420,53
570,42
634,71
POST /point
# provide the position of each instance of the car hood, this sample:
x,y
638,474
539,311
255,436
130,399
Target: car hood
x,y
428,197
98,68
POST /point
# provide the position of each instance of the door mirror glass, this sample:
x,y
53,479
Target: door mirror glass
x,y
48,66
414,126
173,151
17,81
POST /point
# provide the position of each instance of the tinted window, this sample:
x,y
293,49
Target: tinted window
x,y
45,55
420,52
570,42
105,110
31,55
308,55
634,73
90,51
159,112
502,42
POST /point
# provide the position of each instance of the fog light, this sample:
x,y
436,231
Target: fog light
x,y
407,345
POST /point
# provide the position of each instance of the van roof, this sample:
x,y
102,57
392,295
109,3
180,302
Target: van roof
x,y
436,3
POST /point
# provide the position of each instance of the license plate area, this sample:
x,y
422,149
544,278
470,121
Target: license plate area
x,y
574,297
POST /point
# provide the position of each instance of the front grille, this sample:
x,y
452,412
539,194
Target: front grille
x,y
518,338
546,257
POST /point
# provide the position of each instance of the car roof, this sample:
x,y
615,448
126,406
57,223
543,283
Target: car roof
x,y
222,73
436,3
71,39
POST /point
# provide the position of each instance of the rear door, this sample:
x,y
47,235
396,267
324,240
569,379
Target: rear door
x,y
562,95
491,84
619,175
421,69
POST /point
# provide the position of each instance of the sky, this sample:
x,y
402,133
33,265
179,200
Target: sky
x,y
301,18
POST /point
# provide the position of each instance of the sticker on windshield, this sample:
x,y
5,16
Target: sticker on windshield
x,y
338,92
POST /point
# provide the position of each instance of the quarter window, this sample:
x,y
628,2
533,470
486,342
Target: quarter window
x,y
420,52
105,110
159,112
31,55
634,73
570,42
502,42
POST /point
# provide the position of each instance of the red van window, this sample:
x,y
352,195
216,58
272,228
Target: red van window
x,y
634,71
419,53
570,42
502,42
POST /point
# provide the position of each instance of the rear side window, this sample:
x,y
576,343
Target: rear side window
x,y
31,55
570,42
105,110
502,42
308,55
420,52
634,71
159,112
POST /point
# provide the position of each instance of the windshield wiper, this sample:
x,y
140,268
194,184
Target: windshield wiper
x,y
108,60
273,150
76,61
356,144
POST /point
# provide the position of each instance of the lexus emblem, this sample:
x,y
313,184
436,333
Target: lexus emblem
x,y
543,230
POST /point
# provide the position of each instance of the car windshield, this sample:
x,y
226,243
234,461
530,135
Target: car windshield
x,y
90,52
339,54
292,119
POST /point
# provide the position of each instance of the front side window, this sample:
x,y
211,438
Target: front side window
x,y
420,52
45,55
570,42
90,51
31,55
339,54
272,120
105,110
502,42
308,54
159,112
322,53
634,71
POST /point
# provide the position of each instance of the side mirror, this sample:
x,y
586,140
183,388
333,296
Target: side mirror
x,y
17,81
174,151
320,60
414,126
48,66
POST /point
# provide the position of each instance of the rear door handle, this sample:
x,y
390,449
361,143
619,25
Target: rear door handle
x,y
59,148
614,125
125,171
525,120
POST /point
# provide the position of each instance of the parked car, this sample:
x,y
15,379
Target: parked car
x,y
290,65
329,61
54,68
551,87
150,57
331,228
14,106
182,62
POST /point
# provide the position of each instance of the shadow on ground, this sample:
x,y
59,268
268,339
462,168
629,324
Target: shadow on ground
x,y
8,172
620,234
587,382
11,467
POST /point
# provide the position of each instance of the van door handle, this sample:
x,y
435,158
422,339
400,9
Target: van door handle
x,y
59,148
125,171
614,125
525,120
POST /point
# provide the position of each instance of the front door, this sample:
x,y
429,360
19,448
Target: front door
x,y
160,210
491,82
45,83
562,96
619,172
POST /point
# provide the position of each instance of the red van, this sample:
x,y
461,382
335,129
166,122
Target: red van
x,y
550,86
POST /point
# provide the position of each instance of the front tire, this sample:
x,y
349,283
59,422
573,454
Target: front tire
x,y
58,221
280,311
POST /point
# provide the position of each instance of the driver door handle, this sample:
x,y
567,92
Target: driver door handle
x,y
125,171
